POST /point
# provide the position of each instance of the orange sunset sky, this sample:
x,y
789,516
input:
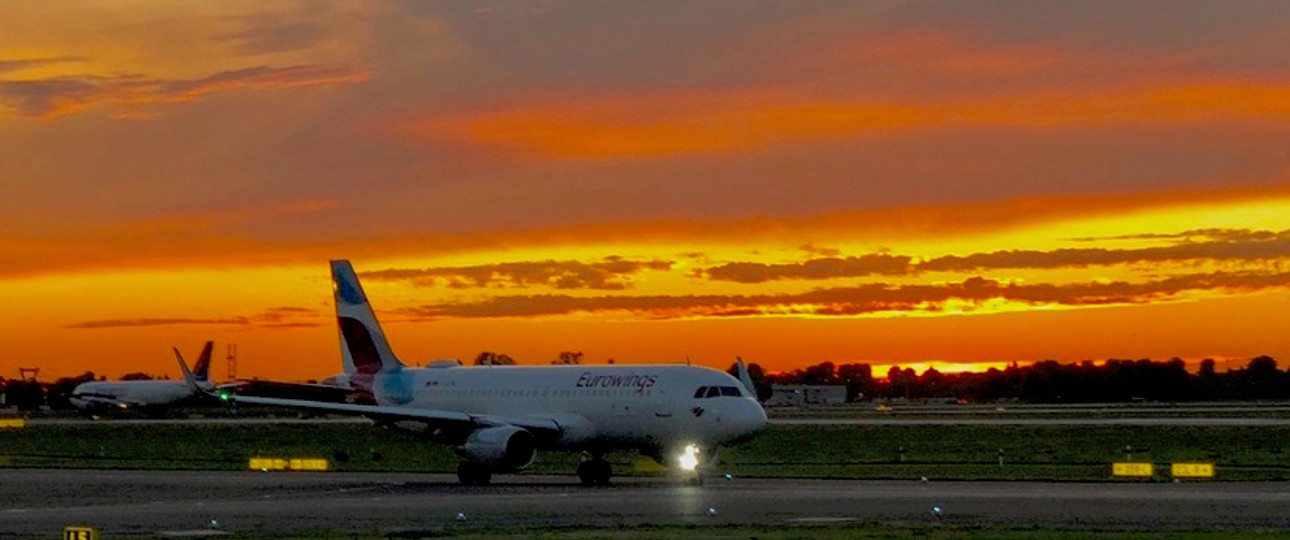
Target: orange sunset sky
x,y
958,184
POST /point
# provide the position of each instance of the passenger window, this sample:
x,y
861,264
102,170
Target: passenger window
x,y
702,391
730,391
714,391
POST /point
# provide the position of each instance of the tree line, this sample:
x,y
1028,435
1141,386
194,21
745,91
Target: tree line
x,y
1048,381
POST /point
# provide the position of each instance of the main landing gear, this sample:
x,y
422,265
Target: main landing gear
x,y
595,472
470,473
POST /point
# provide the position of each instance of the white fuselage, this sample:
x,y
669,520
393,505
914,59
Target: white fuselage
x,y
98,395
604,406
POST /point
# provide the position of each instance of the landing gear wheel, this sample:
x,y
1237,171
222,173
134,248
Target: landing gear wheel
x,y
595,472
473,474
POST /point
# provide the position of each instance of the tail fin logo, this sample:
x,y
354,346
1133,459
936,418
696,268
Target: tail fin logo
x,y
361,346
348,292
202,368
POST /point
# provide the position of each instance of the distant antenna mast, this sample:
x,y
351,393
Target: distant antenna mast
x,y
28,374
232,361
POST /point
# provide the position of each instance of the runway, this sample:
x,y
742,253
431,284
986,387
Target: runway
x,y
42,502
1149,422
825,421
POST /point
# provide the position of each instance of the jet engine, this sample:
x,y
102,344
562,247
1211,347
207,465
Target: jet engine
x,y
501,449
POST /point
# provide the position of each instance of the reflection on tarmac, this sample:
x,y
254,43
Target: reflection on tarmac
x,y
139,502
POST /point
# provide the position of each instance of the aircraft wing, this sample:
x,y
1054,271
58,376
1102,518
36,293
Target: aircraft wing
x,y
397,414
292,390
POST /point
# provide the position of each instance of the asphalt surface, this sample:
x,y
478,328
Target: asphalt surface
x,y
42,502
862,421
1197,422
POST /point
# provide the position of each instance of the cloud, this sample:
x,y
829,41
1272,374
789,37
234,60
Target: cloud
x,y
1275,246
820,251
278,317
9,66
859,300
613,273
681,123
266,34
1229,245
214,240
146,322
804,86
1191,235
821,268
135,96
936,51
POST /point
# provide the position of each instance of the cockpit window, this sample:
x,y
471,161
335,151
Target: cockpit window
x,y
717,391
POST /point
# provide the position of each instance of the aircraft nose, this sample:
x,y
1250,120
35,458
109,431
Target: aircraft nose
x,y
748,419
758,420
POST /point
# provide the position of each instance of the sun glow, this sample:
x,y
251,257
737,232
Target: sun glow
x,y
883,371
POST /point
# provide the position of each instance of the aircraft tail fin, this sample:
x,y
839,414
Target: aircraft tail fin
x,y
744,377
364,349
189,377
201,370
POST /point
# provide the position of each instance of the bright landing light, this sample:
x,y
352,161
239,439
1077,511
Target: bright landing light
x,y
689,459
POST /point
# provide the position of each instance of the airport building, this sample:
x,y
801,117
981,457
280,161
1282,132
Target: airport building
x,y
806,395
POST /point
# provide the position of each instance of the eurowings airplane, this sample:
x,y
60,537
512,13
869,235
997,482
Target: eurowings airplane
x,y
145,396
499,417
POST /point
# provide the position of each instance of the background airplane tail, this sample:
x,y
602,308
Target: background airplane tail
x,y
364,349
201,370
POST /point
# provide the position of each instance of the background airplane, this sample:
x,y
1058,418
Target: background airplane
x,y
147,397
498,417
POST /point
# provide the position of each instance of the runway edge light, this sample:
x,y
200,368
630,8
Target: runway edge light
x,y
1132,469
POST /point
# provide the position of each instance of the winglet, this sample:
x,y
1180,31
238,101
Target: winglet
x,y
744,377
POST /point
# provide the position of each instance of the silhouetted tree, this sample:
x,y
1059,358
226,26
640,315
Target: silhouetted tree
x,y
761,383
1260,379
493,359
822,373
569,358
858,378
1115,380
1206,369
58,395
25,395
1262,367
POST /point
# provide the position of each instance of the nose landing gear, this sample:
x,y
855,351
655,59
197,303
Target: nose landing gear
x,y
470,473
595,471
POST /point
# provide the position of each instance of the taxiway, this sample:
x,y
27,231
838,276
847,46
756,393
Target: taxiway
x,y
40,502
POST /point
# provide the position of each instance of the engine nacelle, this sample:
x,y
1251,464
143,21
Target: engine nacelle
x,y
502,448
